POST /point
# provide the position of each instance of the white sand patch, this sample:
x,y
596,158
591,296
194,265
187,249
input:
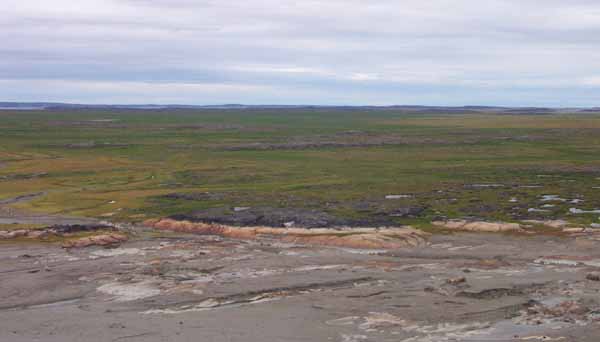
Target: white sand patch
x,y
117,251
309,268
353,338
567,262
392,197
552,198
487,185
344,321
362,251
129,292
376,320
580,211
542,338
448,332
558,262
550,223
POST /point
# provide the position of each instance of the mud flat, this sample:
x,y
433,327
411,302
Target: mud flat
x,y
172,285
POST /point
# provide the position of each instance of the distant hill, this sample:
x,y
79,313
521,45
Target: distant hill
x,y
406,108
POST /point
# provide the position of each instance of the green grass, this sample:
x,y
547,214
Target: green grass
x,y
142,155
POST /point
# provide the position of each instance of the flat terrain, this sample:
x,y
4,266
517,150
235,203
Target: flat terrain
x,y
128,165
299,224
166,287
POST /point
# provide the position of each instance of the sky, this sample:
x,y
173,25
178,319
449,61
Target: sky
x,y
321,52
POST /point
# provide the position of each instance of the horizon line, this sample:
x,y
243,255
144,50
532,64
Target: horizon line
x,y
42,104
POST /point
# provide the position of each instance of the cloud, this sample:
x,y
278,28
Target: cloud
x,y
504,52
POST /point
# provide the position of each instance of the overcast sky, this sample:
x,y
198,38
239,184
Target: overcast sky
x,y
380,52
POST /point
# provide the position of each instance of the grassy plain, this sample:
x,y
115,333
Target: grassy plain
x,y
120,164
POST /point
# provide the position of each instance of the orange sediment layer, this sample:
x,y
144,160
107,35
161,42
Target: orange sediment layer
x,y
96,240
361,238
479,226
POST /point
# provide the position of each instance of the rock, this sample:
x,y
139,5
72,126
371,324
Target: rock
x,y
479,226
550,223
361,238
594,276
74,228
38,234
391,197
97,240
565,226
456,281
12,234
59,230
580,211
566,311
412,211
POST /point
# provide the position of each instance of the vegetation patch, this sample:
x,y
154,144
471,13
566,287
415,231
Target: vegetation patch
x,y
474,166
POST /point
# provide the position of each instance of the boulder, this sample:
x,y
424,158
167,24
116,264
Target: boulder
x,y
96,240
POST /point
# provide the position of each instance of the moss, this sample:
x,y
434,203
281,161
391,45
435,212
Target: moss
x,y
183,150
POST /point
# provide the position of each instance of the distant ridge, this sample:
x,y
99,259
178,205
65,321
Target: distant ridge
x,y
407,108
